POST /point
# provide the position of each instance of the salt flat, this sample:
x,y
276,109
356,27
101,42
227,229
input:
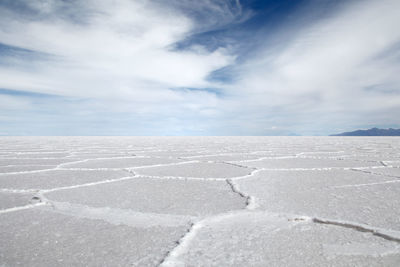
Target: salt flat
x,y
199,201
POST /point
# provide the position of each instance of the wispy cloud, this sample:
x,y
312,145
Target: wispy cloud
x,y
118,65
335,72
121,46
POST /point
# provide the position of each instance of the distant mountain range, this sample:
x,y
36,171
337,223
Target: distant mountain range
x,y
372,132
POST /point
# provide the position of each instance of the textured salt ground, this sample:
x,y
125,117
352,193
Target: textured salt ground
x,y
165,196
197,170
292,163
43,238
37,155
337,194
24,168
34,161
390,172
57,178
121,162
262,239
394,163
326,154
118,216
320,217
173,153
373,157
11,200
225,157
84,156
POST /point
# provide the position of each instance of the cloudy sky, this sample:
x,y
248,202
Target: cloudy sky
x,y
198,67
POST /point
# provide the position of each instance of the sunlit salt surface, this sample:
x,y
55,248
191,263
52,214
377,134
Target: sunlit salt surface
x,y
199,201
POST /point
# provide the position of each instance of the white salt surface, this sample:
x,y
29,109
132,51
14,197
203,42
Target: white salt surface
x,y
11,200
56,178
163,196
123,162
263,239
197,170
337,194
24,168
199,201
387,172
44,238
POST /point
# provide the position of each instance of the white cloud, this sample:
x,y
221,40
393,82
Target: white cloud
x,y
325,70
122,47
337,71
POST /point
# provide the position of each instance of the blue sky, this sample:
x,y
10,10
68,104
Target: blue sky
x,y
205,67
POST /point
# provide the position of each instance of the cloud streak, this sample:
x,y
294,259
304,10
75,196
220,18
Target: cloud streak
x,y
337,72
117,65
121,46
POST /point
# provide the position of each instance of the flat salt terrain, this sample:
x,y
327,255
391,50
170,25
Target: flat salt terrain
x,y
199,201
57,178
10,200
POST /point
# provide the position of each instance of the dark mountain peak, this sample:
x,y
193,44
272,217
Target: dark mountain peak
x,y
371,132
